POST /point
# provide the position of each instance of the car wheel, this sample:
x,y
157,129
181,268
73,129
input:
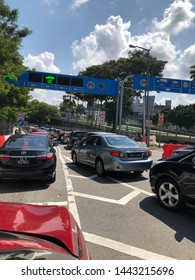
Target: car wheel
x,y
99,167
74,158
169,194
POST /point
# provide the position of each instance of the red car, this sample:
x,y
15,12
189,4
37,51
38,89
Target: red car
x,y
32,232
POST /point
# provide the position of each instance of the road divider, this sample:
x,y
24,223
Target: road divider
x,y
2,140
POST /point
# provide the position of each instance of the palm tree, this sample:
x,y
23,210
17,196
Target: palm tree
x,y
192,72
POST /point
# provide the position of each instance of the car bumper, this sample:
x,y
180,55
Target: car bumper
x,y
27,175
125,166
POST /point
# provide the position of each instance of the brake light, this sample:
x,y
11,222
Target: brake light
x,y
44,157
4,158
118,154
148,153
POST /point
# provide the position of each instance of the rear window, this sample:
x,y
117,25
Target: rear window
x,y
35,142
79,134
120,141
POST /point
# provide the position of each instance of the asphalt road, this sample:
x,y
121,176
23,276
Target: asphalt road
x,y
119,215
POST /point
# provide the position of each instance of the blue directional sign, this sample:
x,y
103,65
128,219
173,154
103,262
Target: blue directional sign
x,y
81,84
164,84
20,122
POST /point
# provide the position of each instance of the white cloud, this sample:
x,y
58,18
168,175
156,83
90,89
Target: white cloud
x,y
109,41
51,97
43,62
177,99
77,3
177,17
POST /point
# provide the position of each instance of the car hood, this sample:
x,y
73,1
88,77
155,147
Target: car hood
x,y
43,221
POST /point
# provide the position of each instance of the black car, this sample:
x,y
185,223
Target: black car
x,y
182,151
74,137
27,156
173,181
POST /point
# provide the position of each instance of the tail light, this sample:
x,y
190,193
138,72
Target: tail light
x,y
4,157
45,157
148,153
118,154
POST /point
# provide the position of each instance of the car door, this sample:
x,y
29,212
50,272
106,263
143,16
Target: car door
x,y
188,177
80,150
92,149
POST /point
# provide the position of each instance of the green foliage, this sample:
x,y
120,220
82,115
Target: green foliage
x,y
11,62
40,113
182,116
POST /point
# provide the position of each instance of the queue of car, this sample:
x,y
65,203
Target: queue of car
x,y
171,179
23,235
32,155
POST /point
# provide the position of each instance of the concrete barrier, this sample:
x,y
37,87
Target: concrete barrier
x,y
153,140
2,140
169,148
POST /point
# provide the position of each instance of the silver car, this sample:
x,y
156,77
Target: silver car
x,y
111,152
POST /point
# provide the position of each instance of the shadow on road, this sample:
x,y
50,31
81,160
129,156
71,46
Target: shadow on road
x,y
22,186
183,222
83,170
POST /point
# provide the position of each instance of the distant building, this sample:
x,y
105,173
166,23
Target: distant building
x,y
159,107
138,106
154,108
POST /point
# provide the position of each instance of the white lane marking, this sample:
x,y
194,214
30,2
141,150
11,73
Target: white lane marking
x,y
69,159
131,187
71,199
129,197
83,177
114,180
108,243
59,203
121,201
124,248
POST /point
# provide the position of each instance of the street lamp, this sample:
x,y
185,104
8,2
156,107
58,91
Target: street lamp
x,y
121,89
146,113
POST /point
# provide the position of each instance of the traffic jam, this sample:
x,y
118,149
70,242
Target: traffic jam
x,y
86,168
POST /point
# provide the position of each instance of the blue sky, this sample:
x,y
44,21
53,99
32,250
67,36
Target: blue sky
x,y
70,35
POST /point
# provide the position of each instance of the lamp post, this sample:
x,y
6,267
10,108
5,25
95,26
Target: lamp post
x,y
146,113
121,88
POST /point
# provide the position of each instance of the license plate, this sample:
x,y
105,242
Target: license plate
x,y
23,161
135,155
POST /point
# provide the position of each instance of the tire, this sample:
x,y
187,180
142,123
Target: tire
x,y
99,167
169,194
74,158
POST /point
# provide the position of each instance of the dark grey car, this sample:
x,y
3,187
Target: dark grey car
x,y
111,152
